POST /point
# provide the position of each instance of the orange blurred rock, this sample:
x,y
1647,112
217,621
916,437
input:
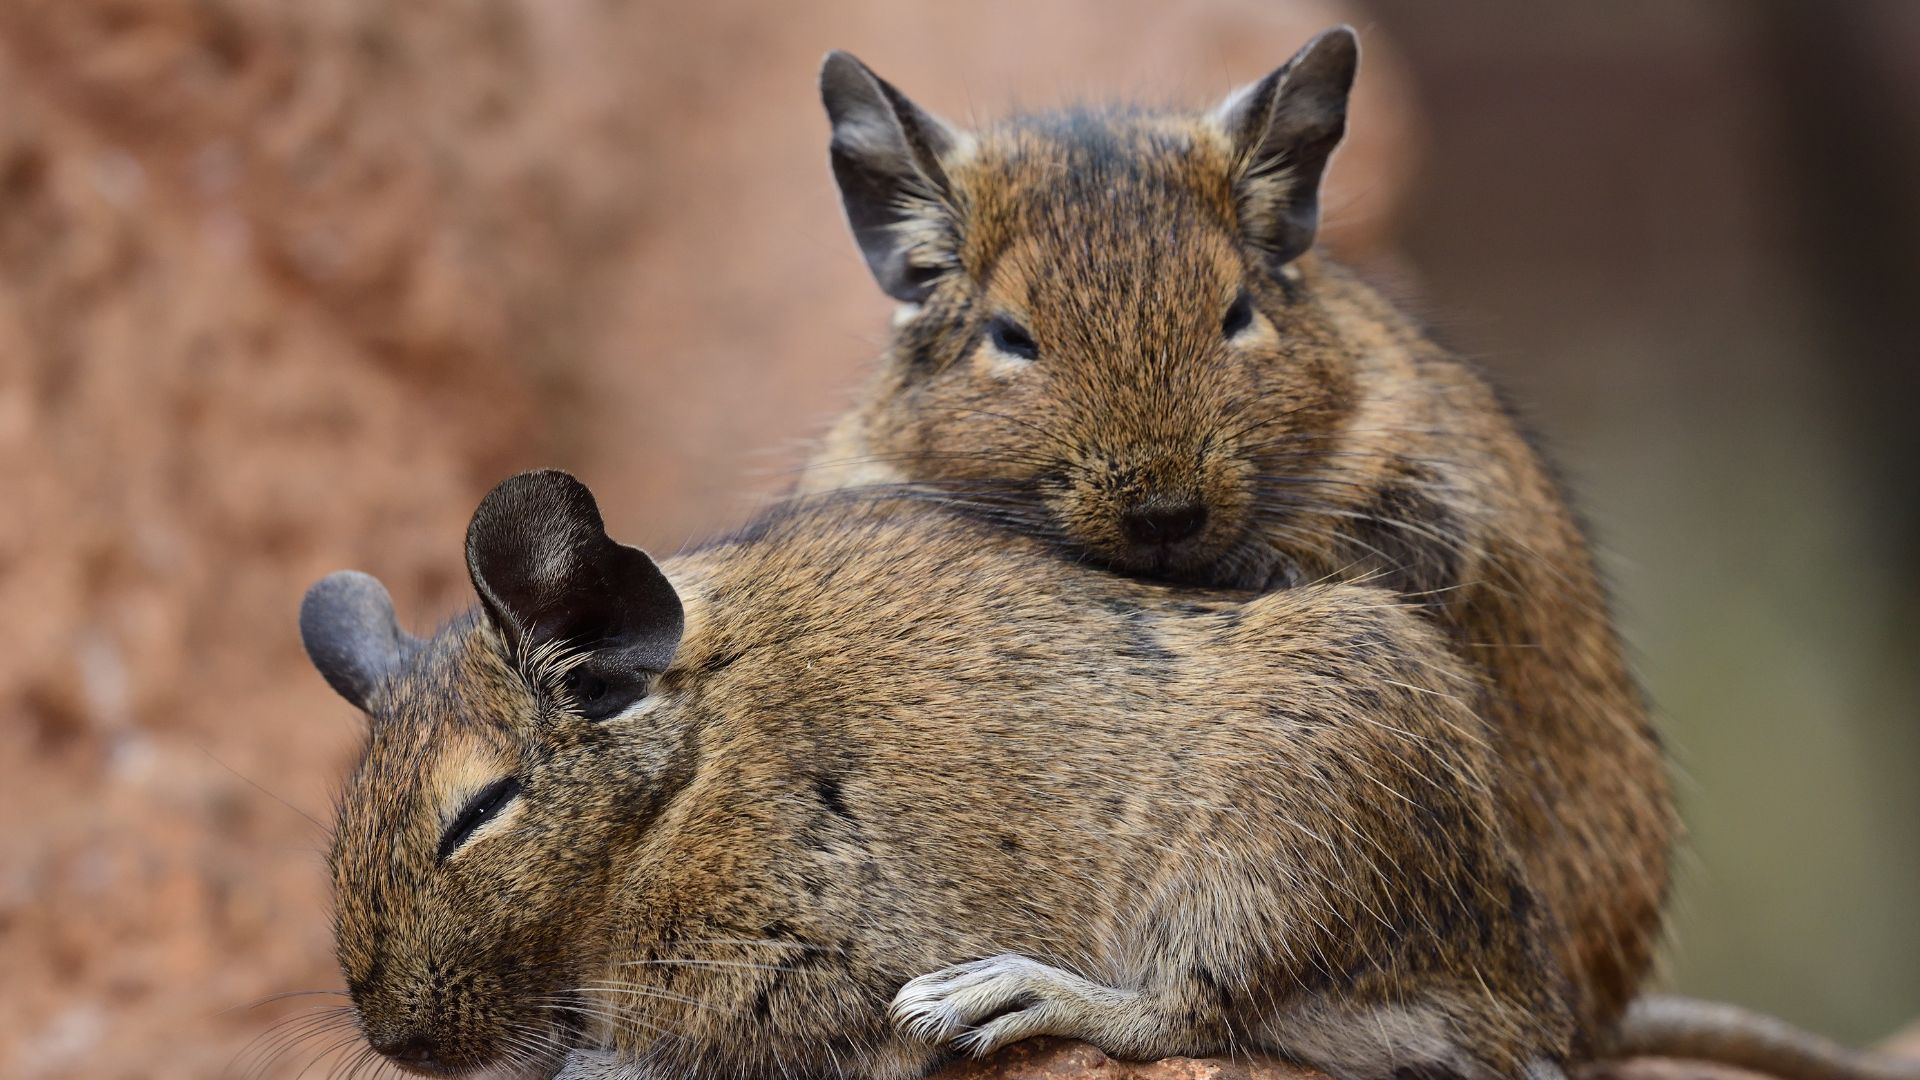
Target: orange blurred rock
x,y
1057,1059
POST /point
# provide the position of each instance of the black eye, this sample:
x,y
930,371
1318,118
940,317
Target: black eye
x,y
479,810
585,687
1239,315
597,697
1012,338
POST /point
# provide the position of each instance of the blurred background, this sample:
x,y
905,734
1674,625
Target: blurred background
x,y
286,287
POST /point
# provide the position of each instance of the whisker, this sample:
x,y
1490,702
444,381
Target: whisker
x,y
282,996
651,992
741,964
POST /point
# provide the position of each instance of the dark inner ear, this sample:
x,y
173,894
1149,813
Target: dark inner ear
x,y
886,155
348,628
1284,128
549,575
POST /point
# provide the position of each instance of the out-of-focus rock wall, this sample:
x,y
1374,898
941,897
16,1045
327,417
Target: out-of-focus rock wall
x,y
285,287
276,293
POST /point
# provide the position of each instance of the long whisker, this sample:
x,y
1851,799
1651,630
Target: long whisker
x,y
613,1014
282,996
739,964
288,1034
651,992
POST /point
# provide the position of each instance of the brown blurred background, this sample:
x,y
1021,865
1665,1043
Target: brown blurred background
x,y
286,287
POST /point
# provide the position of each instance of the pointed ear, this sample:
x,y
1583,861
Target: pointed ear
x,y
347,625
886,154
549,574
1282,129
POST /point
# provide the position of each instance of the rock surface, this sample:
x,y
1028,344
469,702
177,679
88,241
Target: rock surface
x,y
1058,1059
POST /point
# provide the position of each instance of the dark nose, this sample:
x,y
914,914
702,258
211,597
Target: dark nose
x,y
1161,523
411,1051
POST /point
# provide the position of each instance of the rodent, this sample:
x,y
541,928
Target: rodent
x,y
869,782
1116,337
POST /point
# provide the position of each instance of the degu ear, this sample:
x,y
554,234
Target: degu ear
x,y
886,154
549,574
1282,130
347,625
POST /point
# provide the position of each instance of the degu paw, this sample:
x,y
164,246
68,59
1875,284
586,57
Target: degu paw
x,y
977,1008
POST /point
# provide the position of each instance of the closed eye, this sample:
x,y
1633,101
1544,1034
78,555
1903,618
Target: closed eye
x,y
479,810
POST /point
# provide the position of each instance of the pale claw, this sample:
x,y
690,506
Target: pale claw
x,y
978,1007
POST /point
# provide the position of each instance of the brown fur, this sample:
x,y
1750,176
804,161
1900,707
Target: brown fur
x,y
1329,441
892,740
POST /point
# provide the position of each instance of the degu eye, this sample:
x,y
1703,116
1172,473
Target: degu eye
x,y
1239,315
585,687
596,698
1012,338
479,810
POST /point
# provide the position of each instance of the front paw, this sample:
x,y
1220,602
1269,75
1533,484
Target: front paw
x,y
977,1008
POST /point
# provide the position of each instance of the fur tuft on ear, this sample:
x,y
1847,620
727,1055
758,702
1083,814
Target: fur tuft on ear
x,y
549,574
1283,129
887,153
351,635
